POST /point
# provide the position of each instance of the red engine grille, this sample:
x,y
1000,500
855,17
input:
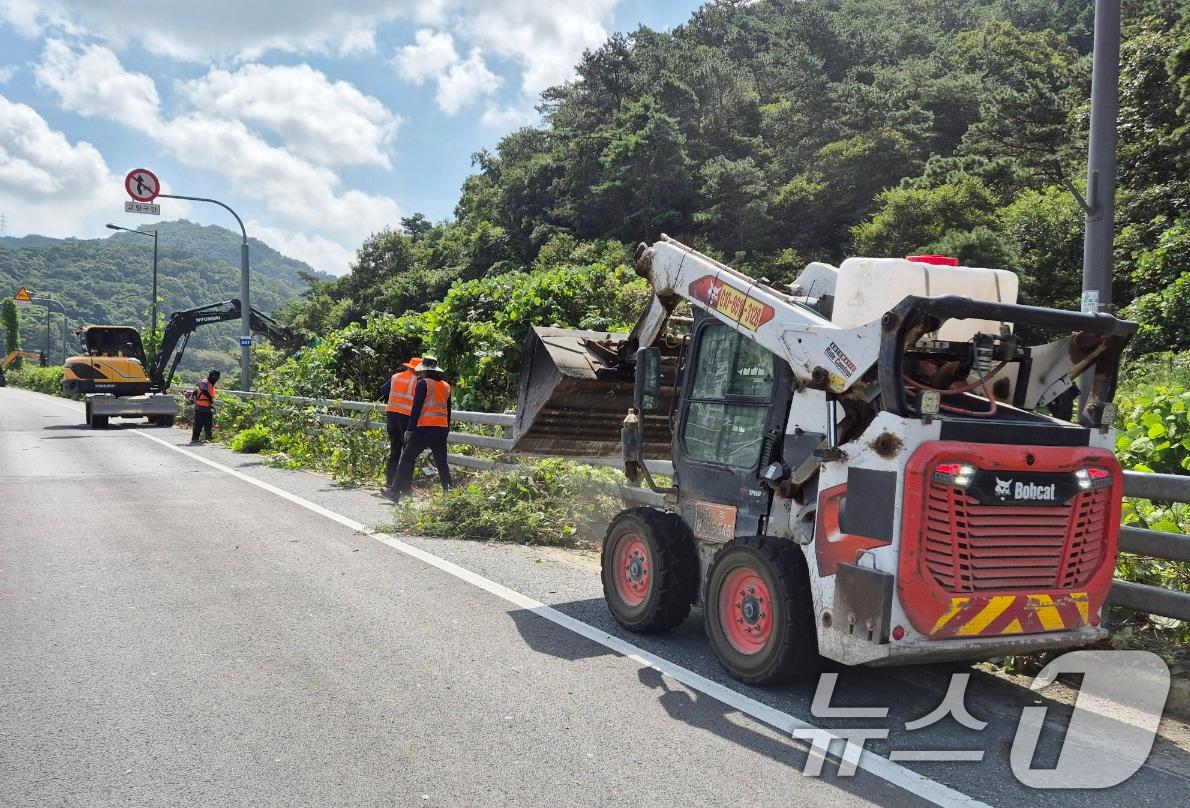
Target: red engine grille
x,y
972,547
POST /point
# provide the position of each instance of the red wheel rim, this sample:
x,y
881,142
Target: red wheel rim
x,y
746,610
632,574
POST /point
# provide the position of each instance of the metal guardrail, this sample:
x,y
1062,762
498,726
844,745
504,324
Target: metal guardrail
x,y
1139,541
1154,544
639,496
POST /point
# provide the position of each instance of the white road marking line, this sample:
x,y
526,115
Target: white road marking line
x,y
881,767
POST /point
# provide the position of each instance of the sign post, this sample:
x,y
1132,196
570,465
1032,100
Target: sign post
x,y
143,186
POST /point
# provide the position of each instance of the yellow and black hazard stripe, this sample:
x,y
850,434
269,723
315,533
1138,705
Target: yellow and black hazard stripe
x,y
999,615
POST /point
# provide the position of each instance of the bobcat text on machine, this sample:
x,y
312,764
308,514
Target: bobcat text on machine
x,y
113,376
861,467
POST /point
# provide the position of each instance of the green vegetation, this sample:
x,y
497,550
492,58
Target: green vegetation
x,y
773,133
108,281
31,377
547,502
253,440
12,328
1154,436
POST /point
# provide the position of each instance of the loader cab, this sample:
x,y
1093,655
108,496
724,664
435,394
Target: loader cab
x,y
727,426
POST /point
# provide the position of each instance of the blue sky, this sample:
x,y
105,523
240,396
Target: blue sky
x,y
318,123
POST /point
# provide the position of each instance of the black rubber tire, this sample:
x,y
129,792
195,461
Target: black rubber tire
x,y
88,416
99,421
166,420
673,563
792,649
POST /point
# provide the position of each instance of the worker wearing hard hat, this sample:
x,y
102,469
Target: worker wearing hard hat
x,y
429,425
398,393
203,397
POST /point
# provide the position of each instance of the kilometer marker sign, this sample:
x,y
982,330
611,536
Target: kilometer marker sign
x,y
142,185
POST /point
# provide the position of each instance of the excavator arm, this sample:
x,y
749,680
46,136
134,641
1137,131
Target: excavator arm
x,y
183,323
15,355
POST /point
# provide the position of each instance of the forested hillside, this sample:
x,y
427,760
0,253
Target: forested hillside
x,y
109,280
773,133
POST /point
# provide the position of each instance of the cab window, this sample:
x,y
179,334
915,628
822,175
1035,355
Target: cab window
x,y
730,397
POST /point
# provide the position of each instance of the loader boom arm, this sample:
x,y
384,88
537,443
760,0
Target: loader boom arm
x,y
820,353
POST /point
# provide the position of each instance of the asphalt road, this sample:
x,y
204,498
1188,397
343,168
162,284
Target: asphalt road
x,y
181,632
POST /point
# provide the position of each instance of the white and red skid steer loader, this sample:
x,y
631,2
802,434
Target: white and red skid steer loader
x,y
869,465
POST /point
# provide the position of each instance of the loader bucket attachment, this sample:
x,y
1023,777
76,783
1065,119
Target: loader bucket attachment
x,y
575,391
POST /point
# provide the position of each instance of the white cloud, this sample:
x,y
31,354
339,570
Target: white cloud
x,y
460,82
291,187
544,39
7,72
292,180
465,82
48,185
360,42
510,116
547,39
214,29
432,55
317,251
93,82
330,123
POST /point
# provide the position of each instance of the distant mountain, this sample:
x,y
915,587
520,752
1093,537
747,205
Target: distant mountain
x,y
109,280
221,244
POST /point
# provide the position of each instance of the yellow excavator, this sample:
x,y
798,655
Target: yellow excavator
x,y
14,356
116,379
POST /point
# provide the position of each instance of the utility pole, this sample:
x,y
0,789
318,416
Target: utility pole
x,y
1101,155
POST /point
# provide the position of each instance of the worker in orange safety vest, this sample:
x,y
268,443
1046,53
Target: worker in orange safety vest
x,y
429,425
203,396
397,392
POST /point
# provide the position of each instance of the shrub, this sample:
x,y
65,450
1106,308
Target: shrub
x,y
252,440
1164,318
1155,430
549,502
43,380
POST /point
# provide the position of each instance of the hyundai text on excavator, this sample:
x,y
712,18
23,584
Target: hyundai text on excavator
x,y
113,376
870,465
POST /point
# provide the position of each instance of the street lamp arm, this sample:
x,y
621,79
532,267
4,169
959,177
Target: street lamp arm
x,y
243,232
46,301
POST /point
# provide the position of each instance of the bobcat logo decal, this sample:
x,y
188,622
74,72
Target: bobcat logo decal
x,y
1003,488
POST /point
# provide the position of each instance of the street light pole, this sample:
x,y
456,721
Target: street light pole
x,y
245,317
48,301
154,315
153,309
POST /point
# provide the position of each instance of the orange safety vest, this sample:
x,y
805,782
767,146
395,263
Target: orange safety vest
x,y
206,390
400,392
434,410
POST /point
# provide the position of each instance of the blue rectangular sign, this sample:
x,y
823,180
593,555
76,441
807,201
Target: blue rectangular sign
x,y
246,342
